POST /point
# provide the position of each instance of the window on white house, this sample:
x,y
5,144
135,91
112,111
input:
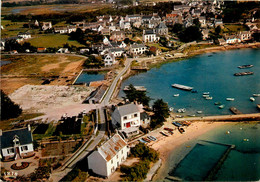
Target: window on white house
x,y
10,151
112,161
122,151
135,115
24,148
125,117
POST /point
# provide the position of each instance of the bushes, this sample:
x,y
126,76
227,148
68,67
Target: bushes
x,y
139,171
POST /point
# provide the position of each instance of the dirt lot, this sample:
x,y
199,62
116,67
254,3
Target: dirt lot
x,y
43,98
32,69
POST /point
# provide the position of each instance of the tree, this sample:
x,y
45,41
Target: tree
x,y
217,30
190,34
134,95
161,111
8,108
196,22
177,27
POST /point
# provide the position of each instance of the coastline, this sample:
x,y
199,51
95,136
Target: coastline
x,y
166,145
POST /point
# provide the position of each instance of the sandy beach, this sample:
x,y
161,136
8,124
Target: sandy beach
x,y
165,145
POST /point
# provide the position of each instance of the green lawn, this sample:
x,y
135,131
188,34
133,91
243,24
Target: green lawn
x,y
52,40
233,28
11,29
157,46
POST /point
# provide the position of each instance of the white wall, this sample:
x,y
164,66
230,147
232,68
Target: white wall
x,y
30,148
97,163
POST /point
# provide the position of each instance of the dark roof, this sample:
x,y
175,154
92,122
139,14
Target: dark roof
x,y
127,109
25,137
161,26
149,32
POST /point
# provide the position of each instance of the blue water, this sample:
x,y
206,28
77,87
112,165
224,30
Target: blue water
x,y
87,77
242,163
212,74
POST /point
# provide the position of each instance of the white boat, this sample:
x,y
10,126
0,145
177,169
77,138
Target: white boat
x,y
182,110
205,93
176,95
171,109
199,112
209,98
230,99
221,106
256,95
252,99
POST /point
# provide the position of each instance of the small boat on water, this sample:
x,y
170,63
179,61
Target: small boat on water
x,y
230,99
205,93
244,73
245,66
191,115
221,106
256,95
258,106
205,96
182,87
217,103
209,98
176,95
199,112
252,99
194,91
182,110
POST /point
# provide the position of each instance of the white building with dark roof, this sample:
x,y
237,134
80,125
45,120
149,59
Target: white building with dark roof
x,y
150,36
137,49
161,29
109,156
15,144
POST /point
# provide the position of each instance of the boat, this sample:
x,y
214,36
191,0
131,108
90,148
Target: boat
x,y
142,141
235,110
209,55
176,124
182,110
230,99
163,133
191,115
194,91
181,130
244,73
221,106
152,138
170,132
252,99
168,129
245,66
228,132
205,96
186,123
182,87
176,95
217,103
171,109
209,98
258,106
199,112
205,93
146,139
256,95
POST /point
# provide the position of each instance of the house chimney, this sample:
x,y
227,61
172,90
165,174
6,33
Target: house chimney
x,y
29,127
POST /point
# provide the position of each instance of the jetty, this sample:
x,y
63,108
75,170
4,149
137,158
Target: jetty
x,y
235,110
182,87
140,68
138,88
244,73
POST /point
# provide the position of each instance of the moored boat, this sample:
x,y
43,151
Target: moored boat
x,y
221,106
252,99
182,87
199,112
176,124
205,96
209,98
205,93
244,73
181,130
230,99
258,106
256,95
217,103
176,95
163,133
245,66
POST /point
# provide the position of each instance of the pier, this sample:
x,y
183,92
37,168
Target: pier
x,y
234,118
140,68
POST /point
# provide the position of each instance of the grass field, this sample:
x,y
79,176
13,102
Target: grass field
x,y
11,29
52,40
37,64
230,28
157,46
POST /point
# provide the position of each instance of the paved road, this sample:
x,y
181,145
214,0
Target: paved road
x,y
111,89
240,117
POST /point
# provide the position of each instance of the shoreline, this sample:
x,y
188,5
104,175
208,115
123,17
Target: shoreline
x,y
167,145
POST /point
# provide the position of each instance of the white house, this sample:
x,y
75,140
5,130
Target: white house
x,y
24,35
63,50
202,20
150,36
109,156
127,119
245,35
162,29
122,44
106,41
232,39
109,60
117,52
137,49
17,143
46,25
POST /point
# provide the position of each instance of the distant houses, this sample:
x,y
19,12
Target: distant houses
x,y
17,143
150,36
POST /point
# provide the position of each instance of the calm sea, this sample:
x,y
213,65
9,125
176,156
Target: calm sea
x,y
206,73
241,164
87,77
